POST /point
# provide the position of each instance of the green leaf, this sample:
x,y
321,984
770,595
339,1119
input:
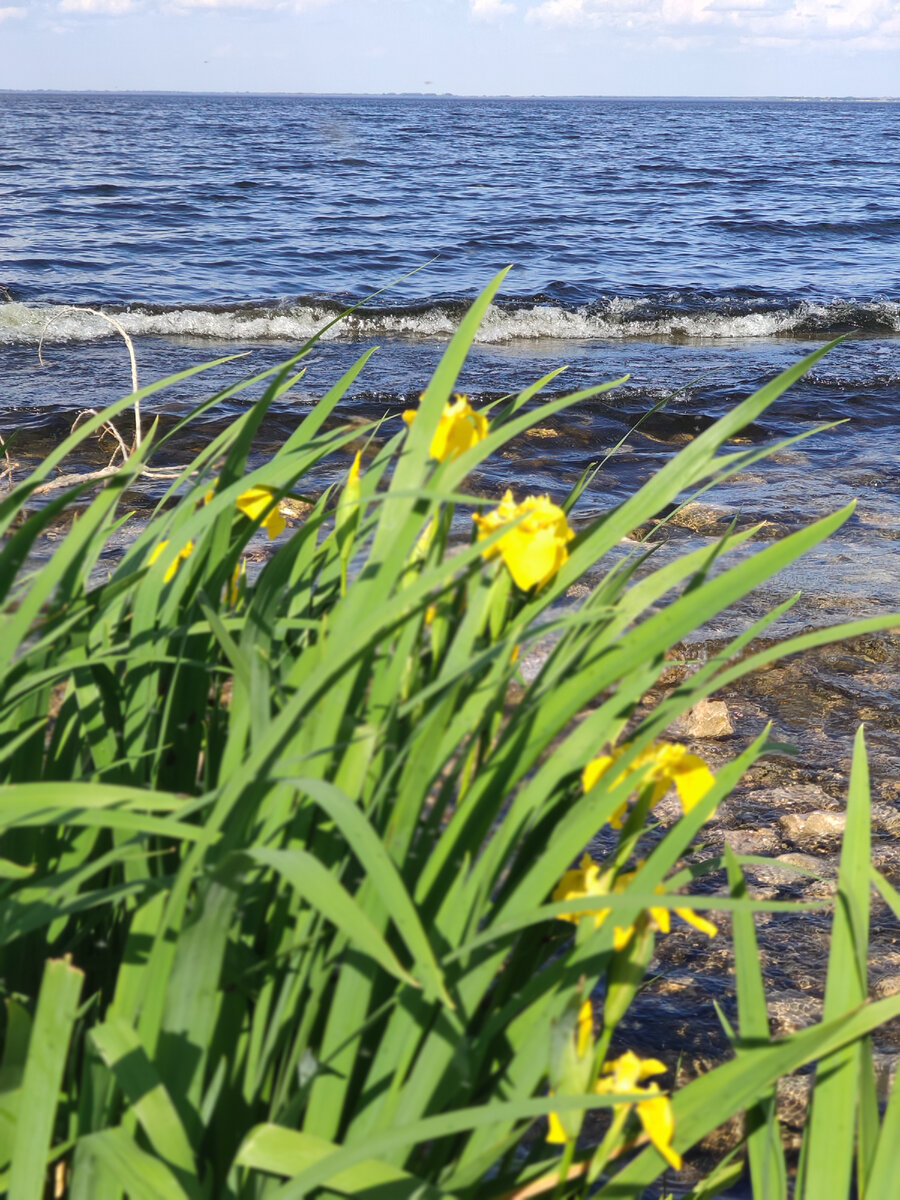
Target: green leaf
x,y
319,888
141,1175
280,1151
444,1125
37,1102
768,1171
380,868
885,1169
832,1122
121,1050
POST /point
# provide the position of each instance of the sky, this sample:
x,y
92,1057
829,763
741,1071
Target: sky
x,y
467,47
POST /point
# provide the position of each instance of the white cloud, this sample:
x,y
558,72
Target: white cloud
x,y
560,12
98,6
488,10
266,4
10,14
121,7
853,24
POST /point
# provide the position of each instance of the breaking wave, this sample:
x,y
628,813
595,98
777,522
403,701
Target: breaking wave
x,y
613,318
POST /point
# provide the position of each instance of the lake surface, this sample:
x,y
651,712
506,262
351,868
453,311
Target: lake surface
x,y
701,246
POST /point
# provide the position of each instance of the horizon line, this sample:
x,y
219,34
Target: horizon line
x,y
787,98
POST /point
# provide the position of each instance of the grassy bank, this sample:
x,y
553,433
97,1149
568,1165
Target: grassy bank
x,y
295,895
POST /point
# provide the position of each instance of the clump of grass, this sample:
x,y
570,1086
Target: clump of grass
x,y
294,901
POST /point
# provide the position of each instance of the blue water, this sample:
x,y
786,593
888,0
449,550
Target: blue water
x,y
700,245
223,199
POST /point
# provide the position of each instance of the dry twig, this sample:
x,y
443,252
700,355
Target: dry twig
x,y
128,342
8,473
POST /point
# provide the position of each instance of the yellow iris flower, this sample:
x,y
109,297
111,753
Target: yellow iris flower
x,y
172,569
625,1075
662,765
655,1113
254,502
459,429
535,548
586,880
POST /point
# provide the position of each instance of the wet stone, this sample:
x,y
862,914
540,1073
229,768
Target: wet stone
x,y
886,859
792,798
884,985
753,841
822,864
707,719
809,831
793,1010
885,1073
577,591
793,1100
296,509
886,820
769,876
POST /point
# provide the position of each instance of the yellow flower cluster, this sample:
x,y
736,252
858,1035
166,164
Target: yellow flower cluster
x,y
661,765
460,428
624,1076
587,880
655,1113
535,548
252,503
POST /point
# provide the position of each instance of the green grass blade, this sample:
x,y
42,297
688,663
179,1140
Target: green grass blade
x,y
412,466
280,1151
832,1123
47,1049
321,890
141,1175
768,1171
386,879
885,1170
121,1050
194,996
445,1125
867,1124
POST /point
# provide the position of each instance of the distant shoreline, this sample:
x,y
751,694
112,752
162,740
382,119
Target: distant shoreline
x,y
451,96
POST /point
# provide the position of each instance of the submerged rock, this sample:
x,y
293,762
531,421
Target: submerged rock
x,y
810,831
764,842
707,719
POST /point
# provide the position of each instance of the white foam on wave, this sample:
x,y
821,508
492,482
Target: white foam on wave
x,y
617,319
